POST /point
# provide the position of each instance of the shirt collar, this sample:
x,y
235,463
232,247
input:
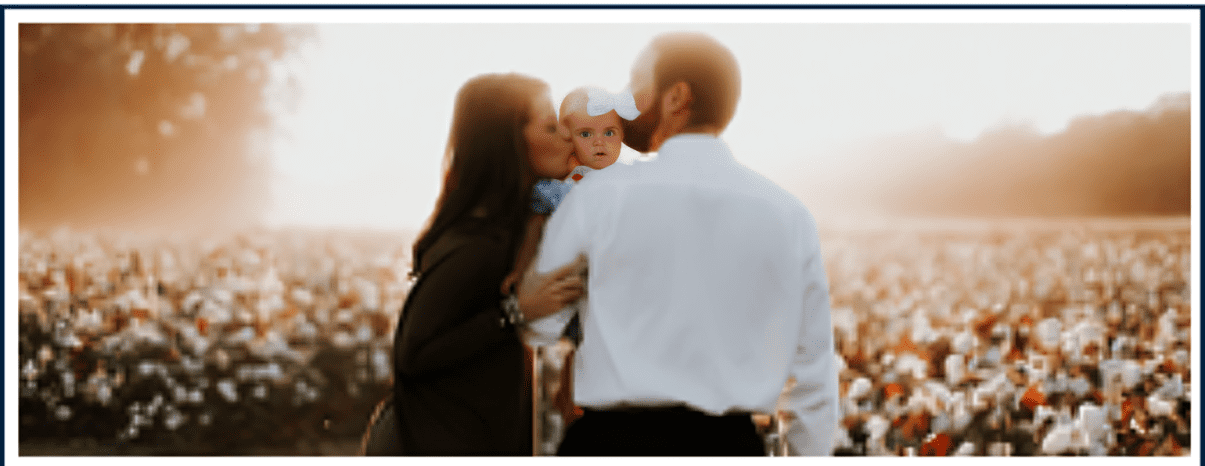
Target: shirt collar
x,y
694,148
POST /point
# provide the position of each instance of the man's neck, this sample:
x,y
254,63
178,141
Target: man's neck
x,y
705,129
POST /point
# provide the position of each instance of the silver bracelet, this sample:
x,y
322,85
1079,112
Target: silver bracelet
x,y
512,316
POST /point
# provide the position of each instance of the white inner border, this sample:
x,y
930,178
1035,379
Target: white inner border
x,y
12,18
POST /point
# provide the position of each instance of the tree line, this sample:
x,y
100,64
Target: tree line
x,y
137,125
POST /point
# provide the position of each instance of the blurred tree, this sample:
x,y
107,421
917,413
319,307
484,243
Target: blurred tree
x,y
150,125
1117,164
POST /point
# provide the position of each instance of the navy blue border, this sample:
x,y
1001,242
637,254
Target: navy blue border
x,y
604,7
3,7
4,258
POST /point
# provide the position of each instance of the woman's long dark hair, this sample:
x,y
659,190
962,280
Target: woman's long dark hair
x,y
487,177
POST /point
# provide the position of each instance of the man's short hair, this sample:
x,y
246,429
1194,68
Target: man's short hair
x,y
707,66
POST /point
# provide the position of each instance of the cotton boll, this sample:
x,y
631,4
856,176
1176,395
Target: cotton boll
x,y
1049,332
876,427
909,364
1158,407
195,396
941,423
302,297
1058,440
173,419
1181,358
259,392
1150,366
955,366
961,419
343,340
963,343
859,387
1131,374
62,413
1091,418
1172,388
227,389
1079,386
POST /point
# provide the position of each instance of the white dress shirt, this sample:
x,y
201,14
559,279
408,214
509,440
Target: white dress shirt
x,y
706,287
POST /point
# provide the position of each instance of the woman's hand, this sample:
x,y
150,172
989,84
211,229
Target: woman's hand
x,y
511,282
543,294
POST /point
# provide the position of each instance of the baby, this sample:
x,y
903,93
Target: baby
x,y
592,116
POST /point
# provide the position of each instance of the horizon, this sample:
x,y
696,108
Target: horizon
x,y
364,144
882,81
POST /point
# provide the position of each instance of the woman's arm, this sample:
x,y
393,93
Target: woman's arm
x,y
451,323
541,295
527,252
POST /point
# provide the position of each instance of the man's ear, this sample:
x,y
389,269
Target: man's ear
x,y
677,99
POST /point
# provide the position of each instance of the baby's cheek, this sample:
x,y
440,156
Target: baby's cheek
x,y
581,147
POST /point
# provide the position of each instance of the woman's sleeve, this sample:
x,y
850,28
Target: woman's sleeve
x,y
450,325
546,195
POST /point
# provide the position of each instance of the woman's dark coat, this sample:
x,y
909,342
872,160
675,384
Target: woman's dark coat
x,y
460,384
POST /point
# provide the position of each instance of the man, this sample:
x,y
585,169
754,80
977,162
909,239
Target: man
x,y
706,289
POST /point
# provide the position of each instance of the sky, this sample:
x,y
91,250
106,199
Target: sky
x,y
365,144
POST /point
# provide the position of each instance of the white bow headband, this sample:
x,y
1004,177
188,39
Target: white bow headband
x,y
601,102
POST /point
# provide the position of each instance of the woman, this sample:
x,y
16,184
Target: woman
x,y
459,375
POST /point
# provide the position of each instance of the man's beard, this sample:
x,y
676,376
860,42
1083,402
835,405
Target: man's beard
x,y
638,133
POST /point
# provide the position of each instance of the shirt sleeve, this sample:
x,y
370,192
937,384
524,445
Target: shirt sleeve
x,y
546,195
547,330
812,399
450,322
564,238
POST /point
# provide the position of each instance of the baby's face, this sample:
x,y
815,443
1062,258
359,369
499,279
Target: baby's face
x,y
596,139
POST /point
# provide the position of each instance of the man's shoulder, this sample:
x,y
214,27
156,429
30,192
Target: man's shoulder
x,y
768,189
616,173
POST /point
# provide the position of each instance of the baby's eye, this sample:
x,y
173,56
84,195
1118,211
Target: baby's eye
x,y
609,133
584,134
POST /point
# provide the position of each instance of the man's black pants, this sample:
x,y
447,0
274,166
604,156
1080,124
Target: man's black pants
x,y
661,432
